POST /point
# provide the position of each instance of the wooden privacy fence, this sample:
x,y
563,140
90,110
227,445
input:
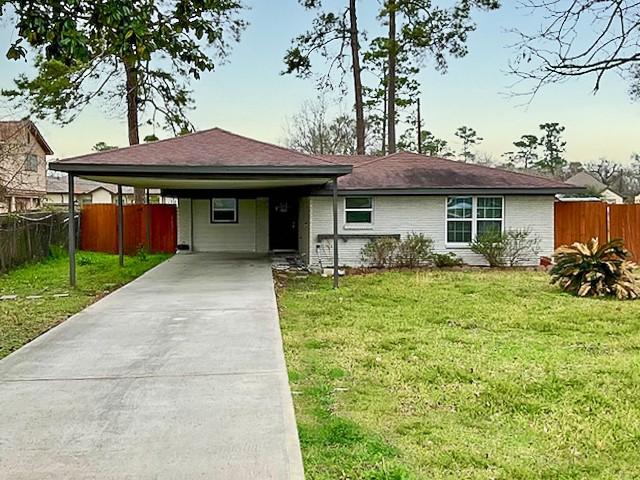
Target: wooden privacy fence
x,y
26,237
581,221
146,227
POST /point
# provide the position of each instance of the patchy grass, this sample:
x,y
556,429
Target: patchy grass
x,y
22,320
450,375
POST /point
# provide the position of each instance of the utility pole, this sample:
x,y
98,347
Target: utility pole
x,y
419,130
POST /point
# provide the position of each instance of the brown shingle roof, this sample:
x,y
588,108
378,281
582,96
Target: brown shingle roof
x,y
405,170
210,148
400,171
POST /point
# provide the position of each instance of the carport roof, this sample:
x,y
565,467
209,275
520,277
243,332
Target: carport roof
x,y
205,151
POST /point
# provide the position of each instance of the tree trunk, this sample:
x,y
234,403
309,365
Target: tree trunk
x,y
384,114
132,117
357,80
391,78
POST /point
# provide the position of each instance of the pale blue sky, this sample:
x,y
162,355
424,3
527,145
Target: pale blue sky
x,y
248,96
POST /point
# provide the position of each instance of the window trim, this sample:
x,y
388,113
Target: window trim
x,y
474,218
358,225
224,222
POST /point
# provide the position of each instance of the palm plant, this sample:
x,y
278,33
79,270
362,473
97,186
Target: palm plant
x,y
594,270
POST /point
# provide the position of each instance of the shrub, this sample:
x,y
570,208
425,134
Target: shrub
x,y
380,252
492,245
142,254
521,246
595,270
84,260
446,260
57,251
415,250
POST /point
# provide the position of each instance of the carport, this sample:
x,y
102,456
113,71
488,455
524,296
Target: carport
x,y
211,162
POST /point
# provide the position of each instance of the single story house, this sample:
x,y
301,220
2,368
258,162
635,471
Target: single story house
x,y
88,192
236,194
594,186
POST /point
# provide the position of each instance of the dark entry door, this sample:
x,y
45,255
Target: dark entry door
x,y
283,223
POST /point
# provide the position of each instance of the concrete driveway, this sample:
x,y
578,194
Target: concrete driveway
x,y
179,374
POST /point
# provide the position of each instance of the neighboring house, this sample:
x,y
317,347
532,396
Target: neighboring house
x,y
594,186
241,195
89,192
23,166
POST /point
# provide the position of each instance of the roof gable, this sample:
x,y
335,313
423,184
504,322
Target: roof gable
x,y
33,130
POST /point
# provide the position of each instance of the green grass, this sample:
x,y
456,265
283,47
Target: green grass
x,y
23,320
474,375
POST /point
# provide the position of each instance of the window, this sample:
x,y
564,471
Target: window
x,y
489,214
358,210
468,217
459,219
31,165
224,210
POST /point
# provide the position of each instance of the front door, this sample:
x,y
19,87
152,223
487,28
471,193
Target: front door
x,y
283,223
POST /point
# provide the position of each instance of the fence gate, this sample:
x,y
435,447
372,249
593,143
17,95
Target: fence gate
x,y
149,227
582,221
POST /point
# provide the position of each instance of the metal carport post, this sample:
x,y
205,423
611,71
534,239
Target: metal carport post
x,y
72,232
336,273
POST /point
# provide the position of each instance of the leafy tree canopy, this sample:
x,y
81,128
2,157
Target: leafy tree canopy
x,y
85,48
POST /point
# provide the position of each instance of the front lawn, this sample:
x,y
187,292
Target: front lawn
x,y
23,319
455,375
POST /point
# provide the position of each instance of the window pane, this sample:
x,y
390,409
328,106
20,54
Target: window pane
x,y
224,203
459,207
224,216
358,202
458,232
32,163
490,207
358,217
488,225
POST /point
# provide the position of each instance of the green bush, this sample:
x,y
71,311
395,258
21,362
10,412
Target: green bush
x,y
85,260
57,251
380,252
521,245
385,252
594,270
446,260
142,254
414,251
492,245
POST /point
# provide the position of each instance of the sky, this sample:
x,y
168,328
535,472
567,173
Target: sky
x,y
248,96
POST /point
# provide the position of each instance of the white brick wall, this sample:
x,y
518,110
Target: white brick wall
x,y
421,214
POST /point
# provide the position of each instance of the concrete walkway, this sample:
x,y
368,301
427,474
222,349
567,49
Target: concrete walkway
x,y
179,375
